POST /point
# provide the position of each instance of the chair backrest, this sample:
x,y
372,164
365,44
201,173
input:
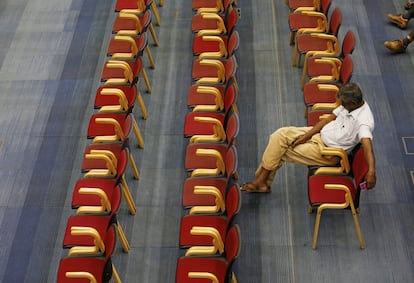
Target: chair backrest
x,y
232,244
232,128
359,166
233,202
347,69
231,67
233,43
231,19
335,22
348,44
122,163
325,5
231,161
229,98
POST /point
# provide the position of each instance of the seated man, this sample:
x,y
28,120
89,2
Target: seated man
x,y
350,124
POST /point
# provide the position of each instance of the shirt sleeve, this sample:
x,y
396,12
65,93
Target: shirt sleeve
x,y
365,132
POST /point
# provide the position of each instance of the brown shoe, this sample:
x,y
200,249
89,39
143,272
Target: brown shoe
x,y
399,20
396,46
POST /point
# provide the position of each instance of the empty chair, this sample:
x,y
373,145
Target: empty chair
x,y
315,42
119,99
310,4
323,89
210,269
86,269
129,47
133,25
214,24
215,46
305,18
314,66
333,191
138,7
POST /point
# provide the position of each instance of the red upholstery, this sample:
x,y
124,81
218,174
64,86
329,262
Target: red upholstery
x,y
109,186
201,45
118,73
100,268
220,266
202,23
130,25
97,129
189,198
122,46
220,222
105,100
294,4
118,150
201,71
317,69
197,97
318,194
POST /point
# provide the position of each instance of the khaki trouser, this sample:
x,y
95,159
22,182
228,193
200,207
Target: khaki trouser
x,y
279,150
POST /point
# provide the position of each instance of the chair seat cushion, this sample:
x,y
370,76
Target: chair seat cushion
x,y
318,194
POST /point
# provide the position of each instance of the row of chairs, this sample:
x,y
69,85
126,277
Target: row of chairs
x,y
91,233
327,65
211,199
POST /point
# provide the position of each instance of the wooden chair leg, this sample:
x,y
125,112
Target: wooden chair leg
x,y
357,227
316,229
122,237
153,34
150,57
141,105
161,3
138,134
146,80
115,275
128,197
133,166
156,14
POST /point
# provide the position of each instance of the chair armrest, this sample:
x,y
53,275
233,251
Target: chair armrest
x,y
216,241
218,135
344,166
222,48
219,170
98,209
81,274
203,275
208,209
122,100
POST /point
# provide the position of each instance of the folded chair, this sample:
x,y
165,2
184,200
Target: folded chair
x,y
133,25
86,269
129,47
323,89
138,7
214,24
309,41
119,99
322,63
211,269
302,17
333,191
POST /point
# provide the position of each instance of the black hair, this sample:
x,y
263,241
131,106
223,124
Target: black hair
x,y
350,93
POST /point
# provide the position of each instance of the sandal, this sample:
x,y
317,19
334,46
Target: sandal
x,y
250,188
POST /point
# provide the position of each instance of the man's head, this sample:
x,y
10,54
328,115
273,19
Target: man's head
x,y
350,96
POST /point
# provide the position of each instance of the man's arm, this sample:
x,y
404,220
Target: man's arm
x,y
370,158
315,129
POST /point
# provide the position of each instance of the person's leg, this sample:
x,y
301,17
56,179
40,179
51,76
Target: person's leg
x,y
401,20
279,143
400,45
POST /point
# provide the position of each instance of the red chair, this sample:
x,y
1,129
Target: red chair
x,y
119,72
315,42
210,94
133,25
210,269
119,99
214,24
205,216
86,269
215,6
310,4
314,66
128,47
302,17
214,71
323,89
338,192
214,46
218,186
108,127
194,161
138,7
